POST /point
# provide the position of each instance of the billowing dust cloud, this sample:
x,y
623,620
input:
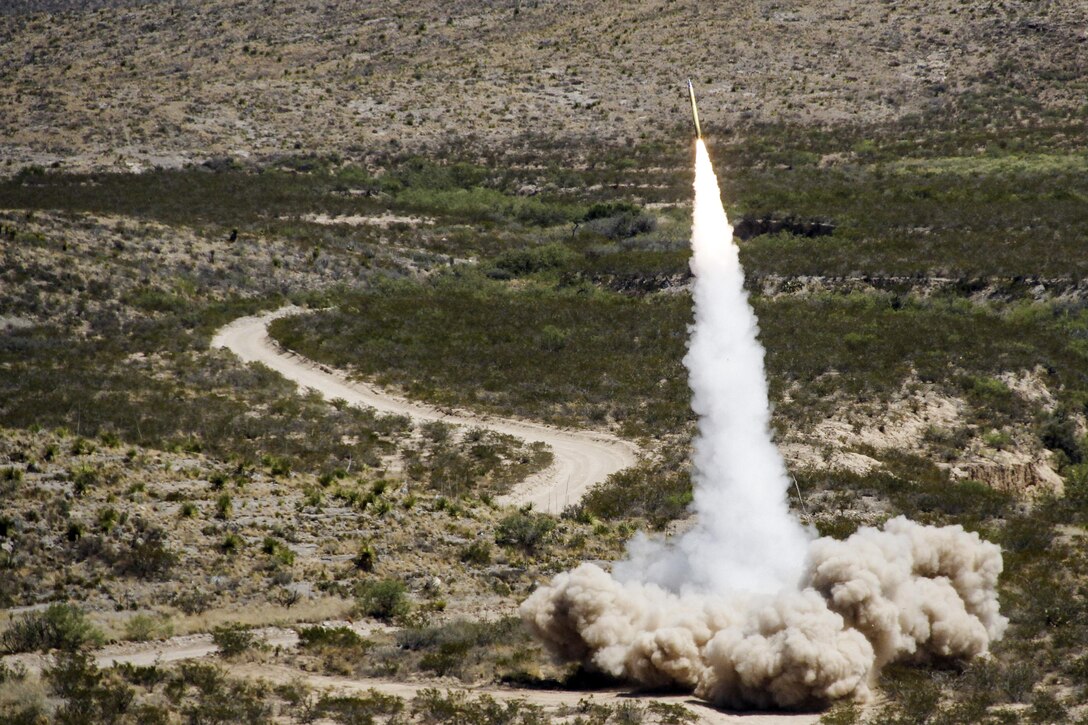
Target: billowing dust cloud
x,y
748,608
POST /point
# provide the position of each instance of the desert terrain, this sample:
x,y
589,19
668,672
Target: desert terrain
x,y
331,331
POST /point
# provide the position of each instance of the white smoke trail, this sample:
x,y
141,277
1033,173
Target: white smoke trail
x,y
745,538
746,609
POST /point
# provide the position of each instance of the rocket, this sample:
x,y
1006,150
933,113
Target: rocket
x,y
694,110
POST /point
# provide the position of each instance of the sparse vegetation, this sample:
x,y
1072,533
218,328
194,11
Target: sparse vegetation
x,y
58,626
930,250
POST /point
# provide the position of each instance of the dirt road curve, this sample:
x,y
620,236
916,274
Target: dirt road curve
x,y
582,458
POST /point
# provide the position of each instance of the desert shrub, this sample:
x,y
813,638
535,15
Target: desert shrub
x,y
231,544
234,639
913,693
366,558
146,676
658,492
280,553
277,465
83,477
488,330
842,713
107,518
338,637
11,475
353,709
385,599
521,262
207,697
187,510
1058,432
341,650
22,701
144,627
667,713
553,338
605,209
524,530
12,673
1076,488
1047,709
623,225
432,706
1026,535
194,601
60,626
477,553
147,556
81,446
996,680
455,647
89,694
224,506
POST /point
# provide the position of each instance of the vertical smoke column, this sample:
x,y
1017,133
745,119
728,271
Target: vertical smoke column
x,y
745,538
756,614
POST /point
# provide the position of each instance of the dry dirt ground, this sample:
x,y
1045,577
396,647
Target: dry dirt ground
x,y
129,85
201,646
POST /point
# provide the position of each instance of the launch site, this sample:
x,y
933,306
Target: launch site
x,y
534,361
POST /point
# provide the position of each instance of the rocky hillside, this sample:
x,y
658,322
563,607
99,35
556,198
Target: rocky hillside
x,y
124,85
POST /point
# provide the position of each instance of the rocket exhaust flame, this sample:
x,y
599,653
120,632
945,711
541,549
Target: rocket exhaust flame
x,y
747,609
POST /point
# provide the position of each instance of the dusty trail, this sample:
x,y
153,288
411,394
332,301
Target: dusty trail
x,y
582,458
199,646
548,699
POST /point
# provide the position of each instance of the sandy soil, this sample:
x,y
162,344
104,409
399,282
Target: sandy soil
x,y
545,698
582,458
197,646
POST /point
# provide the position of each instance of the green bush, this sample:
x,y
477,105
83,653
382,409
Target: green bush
x,y
231,544
147,555
280,553
434,706
530,260
657,491
359,709
234,639
385,599
1059,433
60,626
366,558
224,506
524,530
89,695
335,637
144,627
456,647
477,553
204,695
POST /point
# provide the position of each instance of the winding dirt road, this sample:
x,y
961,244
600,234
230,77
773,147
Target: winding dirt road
x,y
582,458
